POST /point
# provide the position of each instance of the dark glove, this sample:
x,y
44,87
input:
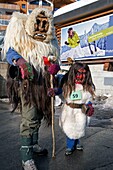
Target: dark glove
x,y
54,91
53,69
66,43
78,41
20,61
26,71
51,92
14,71
90,109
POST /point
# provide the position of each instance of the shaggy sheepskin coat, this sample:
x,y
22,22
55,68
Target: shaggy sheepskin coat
x,y
72,120
19,36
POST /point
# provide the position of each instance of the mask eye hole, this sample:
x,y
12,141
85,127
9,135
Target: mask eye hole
x,y
44,23
38,21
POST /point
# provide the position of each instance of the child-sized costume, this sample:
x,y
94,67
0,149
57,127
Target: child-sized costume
x,y
73,118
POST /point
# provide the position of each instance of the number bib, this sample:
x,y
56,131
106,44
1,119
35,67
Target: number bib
x,y
76,95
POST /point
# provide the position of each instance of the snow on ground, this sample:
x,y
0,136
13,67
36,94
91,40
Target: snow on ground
x,y
79,52
6,100
104,102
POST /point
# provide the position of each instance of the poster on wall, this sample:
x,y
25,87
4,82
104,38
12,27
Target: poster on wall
x,y
91,39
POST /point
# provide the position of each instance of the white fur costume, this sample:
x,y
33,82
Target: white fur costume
x,y
19,36
72,120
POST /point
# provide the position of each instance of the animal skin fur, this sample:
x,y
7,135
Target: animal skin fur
x,y
19,35
74,121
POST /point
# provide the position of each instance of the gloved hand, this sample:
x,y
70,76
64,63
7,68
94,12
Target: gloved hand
x,y
25,69
53,69
51,92
54,91
66,43
78,41
20,61
90,109
13,71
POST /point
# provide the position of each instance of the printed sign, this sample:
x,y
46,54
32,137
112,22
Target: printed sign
x,y
76,95
88,40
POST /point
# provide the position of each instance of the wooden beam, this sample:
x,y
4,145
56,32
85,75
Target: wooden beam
x,y
57,3
93,61
98,61
11,1
3,27
5,17
61,3
85,19
9,6
30,6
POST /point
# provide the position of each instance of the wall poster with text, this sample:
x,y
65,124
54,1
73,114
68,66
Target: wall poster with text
x,y
91,39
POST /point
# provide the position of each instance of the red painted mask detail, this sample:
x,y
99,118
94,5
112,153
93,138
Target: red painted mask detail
x,y
80,76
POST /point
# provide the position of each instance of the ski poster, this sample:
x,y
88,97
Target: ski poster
x,y
91,39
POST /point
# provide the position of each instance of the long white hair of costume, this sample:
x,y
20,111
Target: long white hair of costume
x,y
18,37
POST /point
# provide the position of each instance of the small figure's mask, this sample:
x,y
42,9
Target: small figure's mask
x,y
80,76
41,27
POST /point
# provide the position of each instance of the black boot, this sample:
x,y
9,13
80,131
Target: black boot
x,y
78,146
37,148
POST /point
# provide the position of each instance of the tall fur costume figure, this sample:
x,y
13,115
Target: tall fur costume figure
x,y
78,92
28,40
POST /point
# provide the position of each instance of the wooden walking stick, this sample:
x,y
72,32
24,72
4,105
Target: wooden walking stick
x,y
53,69
53,123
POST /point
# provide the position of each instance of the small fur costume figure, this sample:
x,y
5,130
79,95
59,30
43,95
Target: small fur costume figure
x,y
27,41
78,92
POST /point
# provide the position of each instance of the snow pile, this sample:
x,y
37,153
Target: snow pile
x,y
6,100
104,102
108,103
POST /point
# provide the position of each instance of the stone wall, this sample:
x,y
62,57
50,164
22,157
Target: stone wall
x,y
103,80
3,73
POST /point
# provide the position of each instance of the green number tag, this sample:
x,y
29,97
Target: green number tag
x,y
76,95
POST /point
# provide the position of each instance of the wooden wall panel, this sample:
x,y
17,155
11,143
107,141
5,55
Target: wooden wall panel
x,y
58,35
2,28
9,6
5,17
37,6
